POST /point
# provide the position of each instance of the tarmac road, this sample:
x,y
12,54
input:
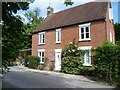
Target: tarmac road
x,y
21,78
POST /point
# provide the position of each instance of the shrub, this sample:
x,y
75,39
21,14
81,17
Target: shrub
x,y
71,65
107,62
41,67
33,61
71,50
88,71
52,66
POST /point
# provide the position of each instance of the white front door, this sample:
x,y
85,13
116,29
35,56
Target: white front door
x,y
57,61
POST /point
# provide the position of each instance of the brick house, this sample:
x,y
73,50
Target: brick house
x,y
91,24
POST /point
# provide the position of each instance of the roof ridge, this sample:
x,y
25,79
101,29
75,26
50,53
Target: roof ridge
x,y
75,7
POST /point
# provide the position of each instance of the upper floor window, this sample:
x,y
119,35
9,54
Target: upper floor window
x,y
84,32
41,54
110,13
42,38
58,35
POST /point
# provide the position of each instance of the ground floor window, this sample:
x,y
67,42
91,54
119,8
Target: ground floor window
x,y
86,55
41,54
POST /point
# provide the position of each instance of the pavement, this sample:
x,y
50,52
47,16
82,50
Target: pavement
x,y
62,75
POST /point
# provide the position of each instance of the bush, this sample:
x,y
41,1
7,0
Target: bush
x,y
52,66
41,67
71,50
33,61
71,65
107,62
88,71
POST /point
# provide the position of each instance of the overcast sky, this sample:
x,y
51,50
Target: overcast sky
x,y
58,5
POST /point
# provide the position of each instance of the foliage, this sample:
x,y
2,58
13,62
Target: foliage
x,y
107,62
41,67
12,29
16,34
33,16
33,61
71,62
34,20
46,61
117,31
88,71
71,50
52,66
71,65
68,2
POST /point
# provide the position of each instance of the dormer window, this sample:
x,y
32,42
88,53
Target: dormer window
x,y
42,38
58,35
84,32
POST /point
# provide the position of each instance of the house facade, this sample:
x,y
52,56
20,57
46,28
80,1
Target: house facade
x,y
90,24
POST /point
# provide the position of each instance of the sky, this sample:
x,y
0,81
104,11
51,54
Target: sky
x,y
59,5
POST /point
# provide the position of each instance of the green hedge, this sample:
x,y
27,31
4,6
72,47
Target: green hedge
x,y
107,62
88,71
33,61
71,65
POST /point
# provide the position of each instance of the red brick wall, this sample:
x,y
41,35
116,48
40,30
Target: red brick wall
x,y
98,36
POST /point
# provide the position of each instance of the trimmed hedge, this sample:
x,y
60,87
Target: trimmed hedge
x,y
33,61
71,65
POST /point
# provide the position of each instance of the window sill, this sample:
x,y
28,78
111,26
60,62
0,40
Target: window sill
x,y
41,43
85,40
41,62
87,64
57,42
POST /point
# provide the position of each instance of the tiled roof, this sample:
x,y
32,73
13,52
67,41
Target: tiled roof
x,y
80,14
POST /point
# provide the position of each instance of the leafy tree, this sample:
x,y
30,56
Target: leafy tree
x,y
14,30
11,30
117,32
34,20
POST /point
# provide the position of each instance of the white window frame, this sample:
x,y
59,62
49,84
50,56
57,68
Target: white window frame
x,y
58,31
41,50
111,37
58,50
41,39
89,49
84,26
110,13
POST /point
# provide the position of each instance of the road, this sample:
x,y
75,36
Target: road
x,y
19,78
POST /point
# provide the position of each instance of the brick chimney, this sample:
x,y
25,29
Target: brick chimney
x,y
50,10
